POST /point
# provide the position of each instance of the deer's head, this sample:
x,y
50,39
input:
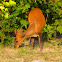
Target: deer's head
x,y
18,37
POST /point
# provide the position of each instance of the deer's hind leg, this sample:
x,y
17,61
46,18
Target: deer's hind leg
x,y
40,41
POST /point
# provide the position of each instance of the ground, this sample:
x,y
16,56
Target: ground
x,y
50,53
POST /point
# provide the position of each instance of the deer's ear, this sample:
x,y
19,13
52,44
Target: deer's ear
x,y
22,35
21,30
15,31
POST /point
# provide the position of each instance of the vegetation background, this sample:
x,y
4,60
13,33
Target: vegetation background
x,y
14,14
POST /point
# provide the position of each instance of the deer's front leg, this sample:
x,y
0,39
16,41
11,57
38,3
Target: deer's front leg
x,y
31,42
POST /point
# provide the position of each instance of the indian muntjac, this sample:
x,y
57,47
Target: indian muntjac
x,y
37,22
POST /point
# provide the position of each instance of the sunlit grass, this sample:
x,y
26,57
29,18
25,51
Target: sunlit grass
x,y
49,53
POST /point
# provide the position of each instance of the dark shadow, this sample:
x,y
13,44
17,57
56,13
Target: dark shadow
x,y
22,45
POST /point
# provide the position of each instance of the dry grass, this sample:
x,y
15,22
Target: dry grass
x,y
50,53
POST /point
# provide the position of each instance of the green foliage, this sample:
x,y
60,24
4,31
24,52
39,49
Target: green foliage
x,y
59,28
24,23
15,15
54,22
12,16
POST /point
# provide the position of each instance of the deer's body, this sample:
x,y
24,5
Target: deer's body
x,y
36,24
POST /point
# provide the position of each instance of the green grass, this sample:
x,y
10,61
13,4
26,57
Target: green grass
x,y
49,53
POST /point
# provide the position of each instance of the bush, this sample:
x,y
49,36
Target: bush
x,y
14,14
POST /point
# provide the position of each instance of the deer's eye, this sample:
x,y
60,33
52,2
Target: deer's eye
x,y
16,41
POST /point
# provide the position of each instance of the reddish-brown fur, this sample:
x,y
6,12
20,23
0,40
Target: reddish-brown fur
x,y
36,24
